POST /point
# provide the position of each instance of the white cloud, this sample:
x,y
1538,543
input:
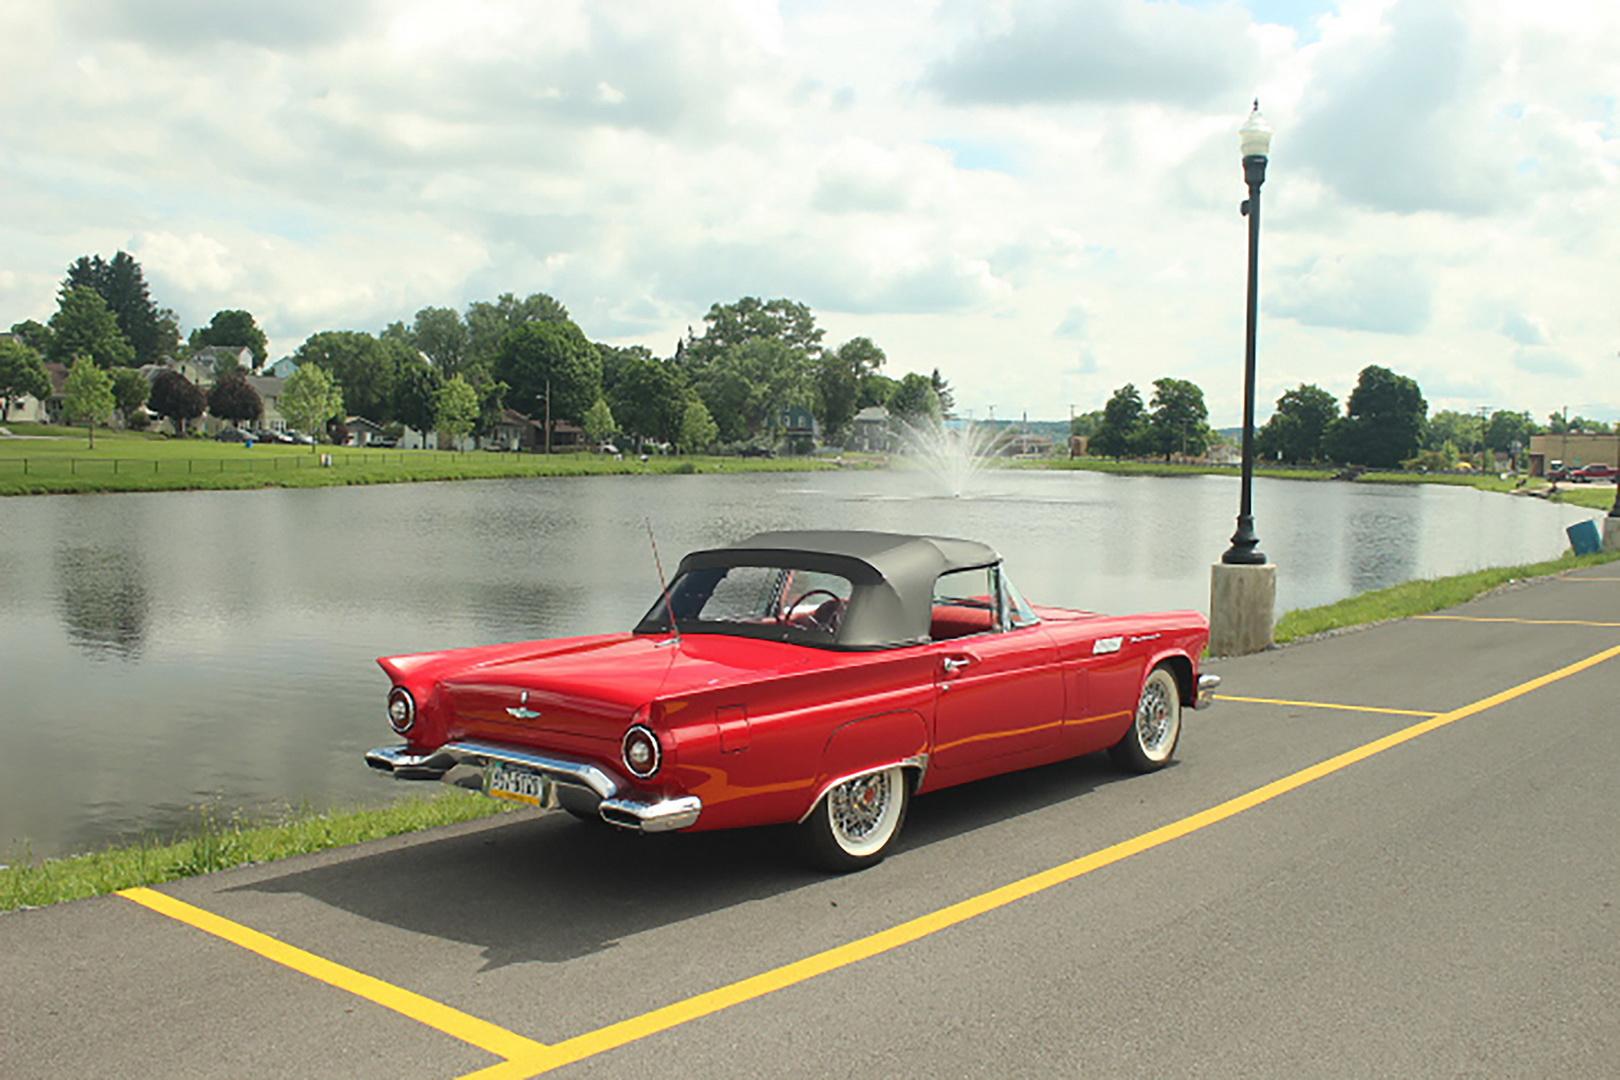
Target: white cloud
x,y
1039,199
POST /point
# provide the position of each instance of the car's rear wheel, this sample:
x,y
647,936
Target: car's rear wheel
x,y
855,823
1151,741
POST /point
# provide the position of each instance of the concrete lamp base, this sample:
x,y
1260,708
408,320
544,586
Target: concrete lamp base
x,y
1242,608
1611,534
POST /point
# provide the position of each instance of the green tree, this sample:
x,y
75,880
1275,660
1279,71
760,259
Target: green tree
x,y
84,326
1179,423
1508,432
364,367
750,318
1464,431
598,422
310,398
489,323
87,398
1294,432
942,390
698,429
233,327
440,334
875,390
176,397
1383,425
748,385
914,400
35,335
838,375
130,391
1086,424
647,396
456,408
122,284
1123,426
22,373
541,358
232,398
416,394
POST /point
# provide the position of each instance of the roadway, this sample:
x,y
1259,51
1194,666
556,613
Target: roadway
x,y
1387,852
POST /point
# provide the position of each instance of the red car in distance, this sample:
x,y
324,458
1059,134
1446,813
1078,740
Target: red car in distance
x,y
814,678
1596,470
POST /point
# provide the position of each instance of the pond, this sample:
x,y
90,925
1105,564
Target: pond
x,y
162,652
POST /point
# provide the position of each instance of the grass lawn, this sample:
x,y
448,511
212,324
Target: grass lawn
x,y
61,462
1420,597
219,845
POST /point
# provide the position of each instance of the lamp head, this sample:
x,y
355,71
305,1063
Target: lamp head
x,y
1254,137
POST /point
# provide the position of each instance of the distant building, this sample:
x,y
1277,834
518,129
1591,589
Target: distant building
x,y
362,432
269,389
202,366
283,368
30,409
870,430
1573,449
797,425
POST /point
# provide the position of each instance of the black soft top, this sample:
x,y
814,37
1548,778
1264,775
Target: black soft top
x,y
893,574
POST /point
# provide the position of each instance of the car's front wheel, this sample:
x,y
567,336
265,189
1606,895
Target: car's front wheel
x,y
1151,741
855,823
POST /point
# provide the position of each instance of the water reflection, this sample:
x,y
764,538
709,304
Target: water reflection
x,y
101,594
235,632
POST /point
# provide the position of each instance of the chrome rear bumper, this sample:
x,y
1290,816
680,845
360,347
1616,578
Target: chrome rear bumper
x,y
463,763
1207,685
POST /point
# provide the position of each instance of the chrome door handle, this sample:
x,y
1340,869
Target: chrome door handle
x,y
954,664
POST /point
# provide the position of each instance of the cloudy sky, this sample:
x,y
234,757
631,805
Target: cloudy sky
x,y
1038,198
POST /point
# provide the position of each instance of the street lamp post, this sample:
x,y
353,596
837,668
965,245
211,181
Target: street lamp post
x,y
1254,139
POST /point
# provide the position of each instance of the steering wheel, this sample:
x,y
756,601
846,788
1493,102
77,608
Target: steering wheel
x,y
815,616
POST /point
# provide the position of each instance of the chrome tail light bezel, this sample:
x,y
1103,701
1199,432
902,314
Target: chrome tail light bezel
x,y
399,693
641,732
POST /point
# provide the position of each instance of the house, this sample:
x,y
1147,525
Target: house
x,y
870,430
283,368
269,388
200,367
797,425
362,432
30,409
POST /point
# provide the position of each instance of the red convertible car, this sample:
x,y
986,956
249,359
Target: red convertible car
x,y
817,678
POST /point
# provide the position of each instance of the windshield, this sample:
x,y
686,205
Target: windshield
x,y
786,603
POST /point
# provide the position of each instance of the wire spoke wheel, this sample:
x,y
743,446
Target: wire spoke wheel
x,y
853,825
1151,741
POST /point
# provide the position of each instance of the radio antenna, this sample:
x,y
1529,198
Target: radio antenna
x,y
663,583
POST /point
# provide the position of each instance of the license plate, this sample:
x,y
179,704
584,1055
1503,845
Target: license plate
x,y
506,781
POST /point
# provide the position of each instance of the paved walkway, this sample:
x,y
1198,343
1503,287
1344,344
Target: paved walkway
x,y
1390,852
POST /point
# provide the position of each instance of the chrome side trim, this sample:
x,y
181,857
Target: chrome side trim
x,y
665,815
915,761
433,764
1207,685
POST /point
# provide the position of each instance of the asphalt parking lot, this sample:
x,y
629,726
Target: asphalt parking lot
x,y
1388,852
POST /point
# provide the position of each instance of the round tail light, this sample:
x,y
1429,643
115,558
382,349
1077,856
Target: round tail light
x,y
642,754
401,709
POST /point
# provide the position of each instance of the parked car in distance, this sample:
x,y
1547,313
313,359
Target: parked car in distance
x,y
756,451
819,679
233,435
1596,470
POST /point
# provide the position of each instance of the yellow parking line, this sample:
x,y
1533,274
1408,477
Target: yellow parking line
x,y
453,1022
1506,619
1324,705
639,1027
